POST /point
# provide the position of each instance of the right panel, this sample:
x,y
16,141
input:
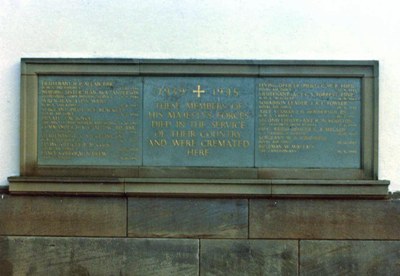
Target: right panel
x,y
308,122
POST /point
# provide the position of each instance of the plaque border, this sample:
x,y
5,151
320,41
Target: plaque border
x,y
32,68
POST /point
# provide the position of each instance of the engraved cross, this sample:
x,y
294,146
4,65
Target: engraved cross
x,y
198,91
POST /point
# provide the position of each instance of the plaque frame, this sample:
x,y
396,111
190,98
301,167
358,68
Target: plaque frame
x,y
198,180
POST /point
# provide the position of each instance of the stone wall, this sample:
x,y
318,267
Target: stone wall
x,y
55,235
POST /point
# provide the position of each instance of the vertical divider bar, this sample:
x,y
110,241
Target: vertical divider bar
x,y
298,257
127,216
142,121
248,218
376,120
255,118
199,256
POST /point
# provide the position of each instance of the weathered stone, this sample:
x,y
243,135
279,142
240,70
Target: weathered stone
x,y
97,256
62,216
324,219
248,257
179,217
350,257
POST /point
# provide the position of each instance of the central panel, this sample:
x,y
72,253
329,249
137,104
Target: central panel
x,y
199,121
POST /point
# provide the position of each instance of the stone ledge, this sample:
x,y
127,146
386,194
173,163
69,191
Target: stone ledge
x,y
199,187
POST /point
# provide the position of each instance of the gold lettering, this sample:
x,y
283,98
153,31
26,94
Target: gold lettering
x,y
73,111
183,133
160,124
199,126
197,152
157,142
228,124
166,105
171,91
183,143
234,92
287,109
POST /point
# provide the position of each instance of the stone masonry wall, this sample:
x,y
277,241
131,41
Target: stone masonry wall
x,y
54,235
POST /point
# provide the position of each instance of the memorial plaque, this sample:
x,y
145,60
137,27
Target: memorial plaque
x,y
192,121
308,122
209,127
89,120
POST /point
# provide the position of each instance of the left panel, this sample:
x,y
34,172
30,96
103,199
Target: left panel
x,y
80,118
89,120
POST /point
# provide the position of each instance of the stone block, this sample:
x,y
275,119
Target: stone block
x,y
62,216
349,258
248,257
324,219
97,256
180,217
